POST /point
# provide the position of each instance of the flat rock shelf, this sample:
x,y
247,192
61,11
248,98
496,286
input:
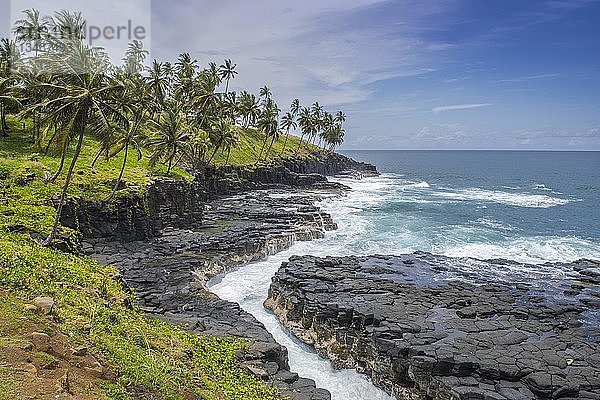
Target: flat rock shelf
x,y
432,327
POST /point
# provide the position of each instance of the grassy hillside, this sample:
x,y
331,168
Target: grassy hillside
x,y
23,167
141,357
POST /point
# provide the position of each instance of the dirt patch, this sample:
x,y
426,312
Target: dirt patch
x,y
39,362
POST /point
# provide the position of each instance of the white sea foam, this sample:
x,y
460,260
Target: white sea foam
x,y
492,223
533,250
495,196
421,185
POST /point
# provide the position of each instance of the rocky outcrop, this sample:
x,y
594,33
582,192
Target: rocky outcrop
x,y
431,327
140,214
168,273
294,172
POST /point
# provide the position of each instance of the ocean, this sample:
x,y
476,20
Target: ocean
x,y
524,206
530,207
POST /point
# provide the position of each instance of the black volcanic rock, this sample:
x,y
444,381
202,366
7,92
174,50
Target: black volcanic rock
x,y
170,237
431,327
168,273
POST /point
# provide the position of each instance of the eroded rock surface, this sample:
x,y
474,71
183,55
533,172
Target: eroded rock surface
x,y
432,327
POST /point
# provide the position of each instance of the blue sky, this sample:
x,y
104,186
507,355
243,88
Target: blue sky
x,y
436,74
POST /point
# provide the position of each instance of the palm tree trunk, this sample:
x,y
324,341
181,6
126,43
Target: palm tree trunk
x,y
215,151
270,146
65,189
63,155
228,154
110,197
170,164
98,154
287,135
262,149
47,148
3,118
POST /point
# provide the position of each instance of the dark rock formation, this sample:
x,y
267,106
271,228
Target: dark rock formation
x,y
169,237
139,215
431,327
168,273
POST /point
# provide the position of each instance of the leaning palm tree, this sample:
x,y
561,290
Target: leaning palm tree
x,y
287,122
227,71
77,95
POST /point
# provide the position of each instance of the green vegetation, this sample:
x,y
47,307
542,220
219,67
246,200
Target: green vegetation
x,y
72,124
71,92
92,309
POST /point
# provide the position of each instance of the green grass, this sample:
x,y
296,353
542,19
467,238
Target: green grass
x,y
251,141
24,202
7,383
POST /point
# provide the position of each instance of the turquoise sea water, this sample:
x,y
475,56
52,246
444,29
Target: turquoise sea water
x,y
526,206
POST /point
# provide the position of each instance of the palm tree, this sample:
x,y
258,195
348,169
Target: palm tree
x,y
340,117
295,107
269,125
134,101
230,139
159,82
305,121
336,137
219,130
227,71
326,126
9,54
134,58
31,30
76,98
249,108
265,93
317,117
185,71
287,122
170,135
204,99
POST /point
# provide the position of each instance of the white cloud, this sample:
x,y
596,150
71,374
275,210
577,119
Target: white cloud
x,y
313,50
528,78
458,107
443,132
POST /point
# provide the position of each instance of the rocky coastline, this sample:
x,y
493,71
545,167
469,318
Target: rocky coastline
x,y
431,327
169,238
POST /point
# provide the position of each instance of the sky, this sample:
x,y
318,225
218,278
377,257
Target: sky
x,y
436,74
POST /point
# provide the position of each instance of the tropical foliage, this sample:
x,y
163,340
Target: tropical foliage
x,y
178,114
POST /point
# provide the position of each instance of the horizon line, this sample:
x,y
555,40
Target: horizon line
x,y
521,150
